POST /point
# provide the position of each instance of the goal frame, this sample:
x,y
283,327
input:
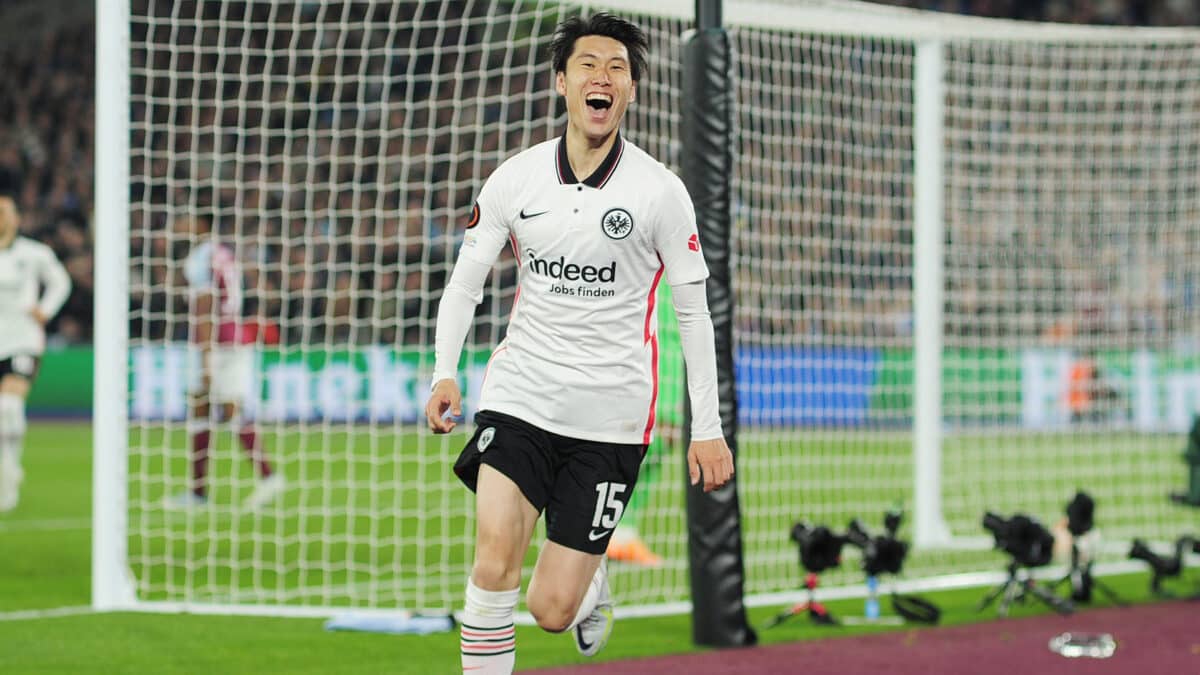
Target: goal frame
x,y
113,587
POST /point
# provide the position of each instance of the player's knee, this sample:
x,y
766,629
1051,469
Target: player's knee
x,y
14,385
553,613
494,573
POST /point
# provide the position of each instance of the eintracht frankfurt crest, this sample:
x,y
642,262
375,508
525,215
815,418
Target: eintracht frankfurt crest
x,y
485,438
617,223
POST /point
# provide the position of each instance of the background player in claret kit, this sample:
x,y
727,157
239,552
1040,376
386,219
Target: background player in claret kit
x,y
25,265
567,406
214,281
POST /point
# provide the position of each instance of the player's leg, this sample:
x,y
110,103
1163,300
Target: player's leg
x,y
232,368
510,466
270,483
251,442
569,588
199,432
504,525
237,369
14,388
566,587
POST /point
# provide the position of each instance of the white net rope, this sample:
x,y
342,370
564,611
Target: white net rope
x,y
1070,237
338,146
823,257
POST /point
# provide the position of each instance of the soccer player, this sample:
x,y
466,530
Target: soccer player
x,y
567,406
24,266
214,281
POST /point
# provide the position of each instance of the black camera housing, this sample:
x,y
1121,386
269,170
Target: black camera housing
x,y
1024,538
881,553
820,547
1081,514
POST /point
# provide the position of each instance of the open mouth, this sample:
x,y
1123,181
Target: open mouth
x,y
599,101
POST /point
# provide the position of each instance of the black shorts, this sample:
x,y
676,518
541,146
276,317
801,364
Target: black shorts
x,y
25,365
582,485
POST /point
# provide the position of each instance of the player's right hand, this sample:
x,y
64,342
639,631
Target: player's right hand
x,y
445,396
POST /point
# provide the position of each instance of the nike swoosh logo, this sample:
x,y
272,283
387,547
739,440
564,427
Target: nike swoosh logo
x,y
527,216
579,639
594,536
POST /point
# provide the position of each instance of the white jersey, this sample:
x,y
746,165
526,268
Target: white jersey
x,y
580,357
28,269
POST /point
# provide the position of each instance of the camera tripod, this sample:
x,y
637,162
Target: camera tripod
x,y
817,612
1082,582
1019,586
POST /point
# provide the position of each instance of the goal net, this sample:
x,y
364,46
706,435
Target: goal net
x,y
945,225
1032,186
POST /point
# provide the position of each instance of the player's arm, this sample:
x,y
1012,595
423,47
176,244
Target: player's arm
x,y
487,233
678,245
454,317
56,286
708,454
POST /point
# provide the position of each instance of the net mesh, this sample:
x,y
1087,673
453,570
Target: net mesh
x,y
337,146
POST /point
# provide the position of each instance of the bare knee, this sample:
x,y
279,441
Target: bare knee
x,y
494,573
553,611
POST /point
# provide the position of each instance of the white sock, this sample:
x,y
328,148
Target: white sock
x,y
587,605
12,429
488,636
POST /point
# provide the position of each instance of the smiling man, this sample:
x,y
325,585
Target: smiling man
x,y
567,407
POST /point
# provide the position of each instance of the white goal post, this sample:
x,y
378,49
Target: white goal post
x,y
937,219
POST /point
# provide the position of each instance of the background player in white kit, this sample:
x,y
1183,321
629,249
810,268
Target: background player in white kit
x,y
26,267
226,360
567,405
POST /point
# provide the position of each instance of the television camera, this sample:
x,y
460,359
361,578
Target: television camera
x,y
1029,544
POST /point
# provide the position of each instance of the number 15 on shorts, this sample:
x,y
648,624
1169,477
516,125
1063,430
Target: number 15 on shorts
x,y
609,506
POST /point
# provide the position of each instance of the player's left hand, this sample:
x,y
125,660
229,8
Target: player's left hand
x,y
710,460
39,316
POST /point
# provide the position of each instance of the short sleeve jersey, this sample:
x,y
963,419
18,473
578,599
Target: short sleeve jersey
x,y
580,357
212,268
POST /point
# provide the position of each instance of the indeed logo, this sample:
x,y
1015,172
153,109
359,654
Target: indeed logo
x,y
568,271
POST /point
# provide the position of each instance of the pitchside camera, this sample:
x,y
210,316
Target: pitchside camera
x,y
881,553
1021,536
820,548
1029,544
1080,514
1162,567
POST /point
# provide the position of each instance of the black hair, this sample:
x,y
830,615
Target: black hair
x,y
603,24
10,184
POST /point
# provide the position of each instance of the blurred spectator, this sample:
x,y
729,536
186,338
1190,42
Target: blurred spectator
x,y
341,190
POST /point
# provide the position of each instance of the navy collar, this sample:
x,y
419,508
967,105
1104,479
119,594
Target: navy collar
x,y
602,173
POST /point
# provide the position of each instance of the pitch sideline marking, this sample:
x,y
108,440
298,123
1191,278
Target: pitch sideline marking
x,y
53,612
46,525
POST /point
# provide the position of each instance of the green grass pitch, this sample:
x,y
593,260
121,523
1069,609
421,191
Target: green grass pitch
x,y
45,558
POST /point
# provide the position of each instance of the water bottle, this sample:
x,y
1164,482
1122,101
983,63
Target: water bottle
x,y
871,610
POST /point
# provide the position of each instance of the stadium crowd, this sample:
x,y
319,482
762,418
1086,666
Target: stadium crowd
x,y
284,168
